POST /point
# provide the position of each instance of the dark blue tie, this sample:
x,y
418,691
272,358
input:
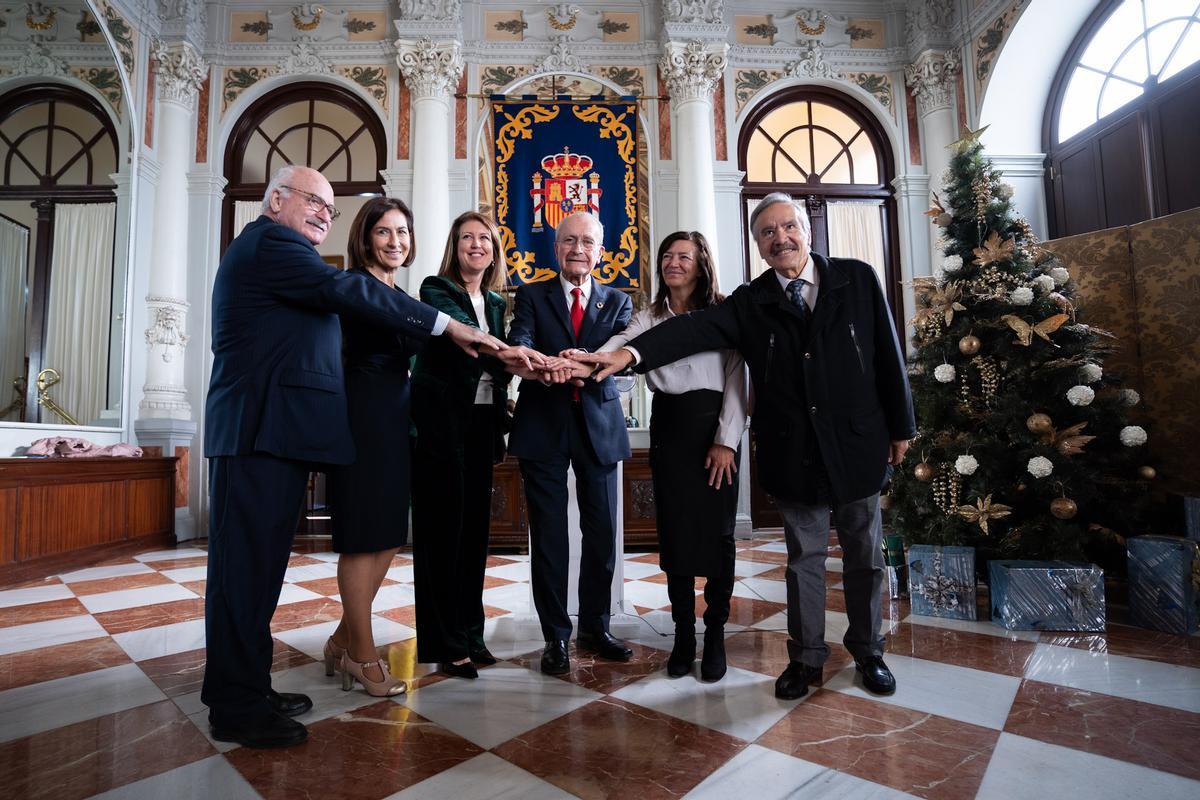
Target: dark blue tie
x,y
795,294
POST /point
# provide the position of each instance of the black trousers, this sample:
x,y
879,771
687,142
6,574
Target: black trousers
x,y
718,590
255,504
452,501
547,498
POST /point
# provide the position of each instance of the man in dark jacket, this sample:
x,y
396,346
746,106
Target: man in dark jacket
x,y
276,408
832,411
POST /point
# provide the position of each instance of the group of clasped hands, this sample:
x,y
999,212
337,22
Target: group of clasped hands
x,y
574,365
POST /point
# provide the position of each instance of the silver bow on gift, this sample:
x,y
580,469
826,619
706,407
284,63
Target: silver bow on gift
x,y
942,592
1081,589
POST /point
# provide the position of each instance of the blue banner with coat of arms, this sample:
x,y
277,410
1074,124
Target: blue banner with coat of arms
x,y
556,158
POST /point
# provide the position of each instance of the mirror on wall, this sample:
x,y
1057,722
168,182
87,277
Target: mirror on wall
x,y
64,214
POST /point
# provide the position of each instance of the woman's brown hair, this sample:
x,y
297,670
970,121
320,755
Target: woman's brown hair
x,y
495,275
705,293
360,230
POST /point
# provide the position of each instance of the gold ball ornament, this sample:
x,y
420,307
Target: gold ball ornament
x,y
922,471
1039,423
1147,473
1063,507
969,345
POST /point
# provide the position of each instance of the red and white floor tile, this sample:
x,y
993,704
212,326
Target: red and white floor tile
x,y
100,674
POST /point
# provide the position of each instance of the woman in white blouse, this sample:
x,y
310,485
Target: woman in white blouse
x,y
696,425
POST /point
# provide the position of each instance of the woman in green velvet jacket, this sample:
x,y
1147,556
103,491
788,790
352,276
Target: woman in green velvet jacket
x,y
458,409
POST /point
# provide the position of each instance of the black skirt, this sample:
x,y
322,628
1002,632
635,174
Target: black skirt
x,y
695,521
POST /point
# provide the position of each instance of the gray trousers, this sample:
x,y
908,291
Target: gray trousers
x,y
860,533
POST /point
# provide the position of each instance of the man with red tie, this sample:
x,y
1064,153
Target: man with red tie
x,y
561,426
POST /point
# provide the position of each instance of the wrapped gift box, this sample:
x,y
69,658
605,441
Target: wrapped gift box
x,y
1047,595
1164,583
941,581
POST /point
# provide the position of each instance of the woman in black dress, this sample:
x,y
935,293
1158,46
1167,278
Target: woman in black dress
x,y
696,426
459,413
370,496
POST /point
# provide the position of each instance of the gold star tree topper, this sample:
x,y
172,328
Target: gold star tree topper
x,y
968,140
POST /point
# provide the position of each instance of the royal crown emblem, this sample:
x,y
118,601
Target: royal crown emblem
x,y
569,189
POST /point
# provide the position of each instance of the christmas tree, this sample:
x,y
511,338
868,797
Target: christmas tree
x,y
1024,450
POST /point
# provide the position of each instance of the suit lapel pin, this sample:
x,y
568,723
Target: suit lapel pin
x,y
599,304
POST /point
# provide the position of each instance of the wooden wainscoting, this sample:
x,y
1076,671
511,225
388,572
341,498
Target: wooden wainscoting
x,y
50,507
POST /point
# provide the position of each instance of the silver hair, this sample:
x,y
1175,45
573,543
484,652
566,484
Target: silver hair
x,y
783,197
282,175
595,221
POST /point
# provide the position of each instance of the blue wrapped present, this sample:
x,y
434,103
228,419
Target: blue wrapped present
x,y
1164,583
1047,595
941,581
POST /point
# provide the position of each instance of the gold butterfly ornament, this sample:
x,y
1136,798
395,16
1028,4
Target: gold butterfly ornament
x,y
1025,331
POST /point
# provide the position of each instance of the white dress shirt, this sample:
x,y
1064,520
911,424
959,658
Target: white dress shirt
x,y
483,392
720,370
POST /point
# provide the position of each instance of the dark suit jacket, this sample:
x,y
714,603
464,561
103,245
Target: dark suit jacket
x,y
543,321
847,376
276,383
444,378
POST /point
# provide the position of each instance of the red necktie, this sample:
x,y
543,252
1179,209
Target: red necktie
x,y
576,323
577,312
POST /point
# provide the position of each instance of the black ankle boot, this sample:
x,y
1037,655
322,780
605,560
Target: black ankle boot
x,y
712,663
682,654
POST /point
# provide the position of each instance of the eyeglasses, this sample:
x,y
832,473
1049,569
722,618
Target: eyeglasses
x,y
315,203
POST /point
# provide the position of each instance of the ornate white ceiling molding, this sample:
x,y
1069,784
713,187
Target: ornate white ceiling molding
x,y
186,19
862,60
692,69
710,12
39,60
932,78
179,71
430,69
303,58
430,9
812,64
930,24
561,58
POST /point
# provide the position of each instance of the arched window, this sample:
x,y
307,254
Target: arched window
x,y
1122,109
319,125
822,146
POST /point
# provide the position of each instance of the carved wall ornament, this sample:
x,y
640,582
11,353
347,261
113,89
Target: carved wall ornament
x,y
179,69
430,9
562,17
313,12
812,63
706,11
811,21
430,69
168,325
560,58
929,21
304,59
195,11
693,69
38,60
932,78
47,15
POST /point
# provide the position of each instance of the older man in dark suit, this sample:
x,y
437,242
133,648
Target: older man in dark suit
x,y
582,427
276,409
832,411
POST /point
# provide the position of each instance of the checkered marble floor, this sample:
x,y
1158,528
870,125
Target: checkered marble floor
x,y
100,674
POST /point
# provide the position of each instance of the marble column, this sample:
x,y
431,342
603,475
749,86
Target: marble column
x,y
912,199
932,78
692,70
431,72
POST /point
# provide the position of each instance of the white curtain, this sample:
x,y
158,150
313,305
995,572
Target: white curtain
x,y
245,212
77,314
757,265
856,231
14,253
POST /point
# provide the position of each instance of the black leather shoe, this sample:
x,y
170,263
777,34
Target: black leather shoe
x,y
554,658
877,678
682,654
266,730
712,663
603,644
483,657
794,681
289,704
466,670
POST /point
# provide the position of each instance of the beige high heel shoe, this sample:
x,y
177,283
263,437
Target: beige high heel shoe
x,y
353,671
333,657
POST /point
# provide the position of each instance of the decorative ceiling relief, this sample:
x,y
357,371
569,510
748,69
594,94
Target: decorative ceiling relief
x,y
123,35
366,26
748,82
878,85
867,34
988,44
632,80
755,29
493,78
236,80
372,78
621,27
252,26
710,12
304,59
812,64
104,80
504,26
